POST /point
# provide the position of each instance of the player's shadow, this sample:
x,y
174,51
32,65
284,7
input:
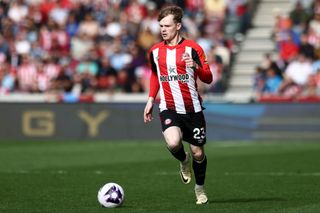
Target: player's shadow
x,y
248,200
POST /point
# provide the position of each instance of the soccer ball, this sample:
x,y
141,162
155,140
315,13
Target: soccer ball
x,y
111,195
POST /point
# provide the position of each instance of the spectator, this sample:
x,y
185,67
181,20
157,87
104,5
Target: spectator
x,y
206,42
306,48
4,47
87,65
123,81
146,38
120,59
269,62
42,80
59,14
142,74
111,28
72,26
288,50
7,76
299,15
223,52
89,26
240,10
150,22
136,12
315,66
106,75
105,68
27,74
50,67
314,84
60,41
116,33
258,82
314,32
307,4
215,9
80,45
215,12
63,82
18,11
272,82
298,43
296,76
22,45
315,22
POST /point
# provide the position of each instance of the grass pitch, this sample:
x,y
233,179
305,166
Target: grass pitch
x,y
241,177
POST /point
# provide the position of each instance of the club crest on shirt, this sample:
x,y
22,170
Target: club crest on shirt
x,y
167,121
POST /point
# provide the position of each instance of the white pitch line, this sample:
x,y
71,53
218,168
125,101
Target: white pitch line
x,y
272,173
171,173
164,173
234,144
59,172
98,172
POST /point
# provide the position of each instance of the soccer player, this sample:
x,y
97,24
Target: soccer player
x,y
176,64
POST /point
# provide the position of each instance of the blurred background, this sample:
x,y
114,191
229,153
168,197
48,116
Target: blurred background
x,y
264,55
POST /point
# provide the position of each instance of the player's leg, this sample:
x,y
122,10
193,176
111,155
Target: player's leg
x,y
199,165
172,133
195,134
173,138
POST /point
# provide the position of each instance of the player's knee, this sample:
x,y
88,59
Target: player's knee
x,y
173,145
198,155
173,140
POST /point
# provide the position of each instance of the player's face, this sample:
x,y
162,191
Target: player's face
x,y
168,28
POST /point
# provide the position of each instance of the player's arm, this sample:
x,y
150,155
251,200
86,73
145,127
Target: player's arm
x,y
201,65
154,88
147,115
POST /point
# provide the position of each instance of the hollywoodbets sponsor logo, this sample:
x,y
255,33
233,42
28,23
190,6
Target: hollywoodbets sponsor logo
x,y
183,78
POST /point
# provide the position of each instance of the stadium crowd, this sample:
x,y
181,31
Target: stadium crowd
x,y
76,47
294,71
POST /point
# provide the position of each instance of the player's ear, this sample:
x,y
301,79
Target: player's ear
x,y
179,25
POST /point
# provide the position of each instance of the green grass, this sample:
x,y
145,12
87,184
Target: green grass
x,y
241,177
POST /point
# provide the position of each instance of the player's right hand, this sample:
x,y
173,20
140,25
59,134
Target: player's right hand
x,y
147,115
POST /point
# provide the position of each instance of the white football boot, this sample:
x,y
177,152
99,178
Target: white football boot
x,y
200,195
185,170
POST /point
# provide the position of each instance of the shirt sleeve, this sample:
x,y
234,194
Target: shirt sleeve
x,y
203,69
154,82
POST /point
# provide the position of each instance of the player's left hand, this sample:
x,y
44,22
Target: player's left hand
x,y
189,61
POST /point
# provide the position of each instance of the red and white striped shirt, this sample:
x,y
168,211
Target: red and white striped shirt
x,y
175,81
26,76
52,70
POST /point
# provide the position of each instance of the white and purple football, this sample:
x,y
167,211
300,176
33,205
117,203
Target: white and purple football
x,y
111,195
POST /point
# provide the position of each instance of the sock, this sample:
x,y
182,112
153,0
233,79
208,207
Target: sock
x,y
196,186
179,153
199,168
